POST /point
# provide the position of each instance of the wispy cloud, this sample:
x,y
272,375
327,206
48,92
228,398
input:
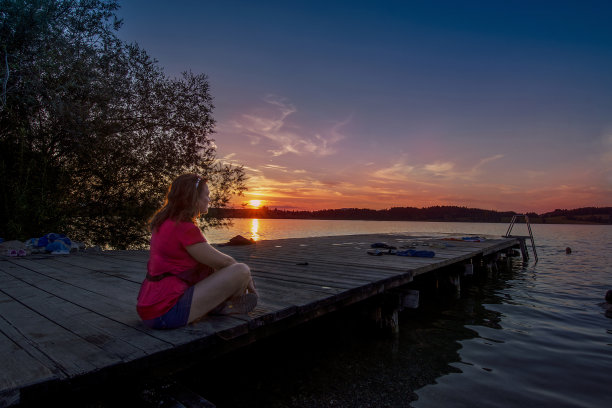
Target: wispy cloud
x,y
274,167
487,160
430,172
231,159
273,123
399,171
440,168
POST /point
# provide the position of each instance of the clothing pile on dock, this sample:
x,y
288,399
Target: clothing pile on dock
x,y
52,243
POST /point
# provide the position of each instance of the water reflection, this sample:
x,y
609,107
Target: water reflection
x,y
255,229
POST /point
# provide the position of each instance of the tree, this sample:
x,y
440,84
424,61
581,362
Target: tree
x,y
91,129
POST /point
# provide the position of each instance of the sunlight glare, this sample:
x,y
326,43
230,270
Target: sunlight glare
x,y
255,229
255,203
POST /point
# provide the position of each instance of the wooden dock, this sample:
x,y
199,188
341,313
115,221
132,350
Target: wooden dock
x,y
70,320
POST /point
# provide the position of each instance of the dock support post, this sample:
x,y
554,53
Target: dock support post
x,y
524,249
410,299
505,259
385,313
383,318
490,262
468,269
390,320
455,280
389,312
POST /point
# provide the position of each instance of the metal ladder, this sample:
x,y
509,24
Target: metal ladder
x,y
522,238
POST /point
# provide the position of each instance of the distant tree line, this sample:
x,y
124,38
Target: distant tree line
x,y
91,130
435,213
595,215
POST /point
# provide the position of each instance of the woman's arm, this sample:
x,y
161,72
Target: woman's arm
x,y
204,253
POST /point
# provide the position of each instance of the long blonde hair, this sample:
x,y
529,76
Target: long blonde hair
x,y
181,202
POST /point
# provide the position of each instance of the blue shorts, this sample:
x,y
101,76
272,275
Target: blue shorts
x,y
175,317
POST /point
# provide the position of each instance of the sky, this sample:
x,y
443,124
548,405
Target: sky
x,y
499,105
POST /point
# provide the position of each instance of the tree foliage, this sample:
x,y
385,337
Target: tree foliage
x,y
91,129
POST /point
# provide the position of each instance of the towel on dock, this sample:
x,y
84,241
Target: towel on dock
x,y
473,239
468,239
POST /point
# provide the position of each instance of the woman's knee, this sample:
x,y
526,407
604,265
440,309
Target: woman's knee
x,y
244,270
241,271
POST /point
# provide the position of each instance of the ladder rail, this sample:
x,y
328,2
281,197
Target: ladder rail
x,y
511,225
535,254
509,231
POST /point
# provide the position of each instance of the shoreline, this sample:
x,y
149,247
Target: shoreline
x,y
531,221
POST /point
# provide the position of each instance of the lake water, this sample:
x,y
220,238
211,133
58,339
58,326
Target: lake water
x,y
532,335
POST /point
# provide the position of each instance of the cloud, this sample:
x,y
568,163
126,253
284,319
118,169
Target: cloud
x,y
275,167
406,175
447,169
399,171
273,123
487,160
439,168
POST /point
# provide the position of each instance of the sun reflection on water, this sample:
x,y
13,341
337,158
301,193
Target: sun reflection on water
x,y
255,229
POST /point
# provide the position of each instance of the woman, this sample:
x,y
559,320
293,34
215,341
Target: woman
x,y
186,277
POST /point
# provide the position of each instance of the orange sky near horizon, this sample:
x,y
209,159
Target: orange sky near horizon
x,y
305,194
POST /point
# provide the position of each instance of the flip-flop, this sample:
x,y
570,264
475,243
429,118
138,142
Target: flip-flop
x,y
382,245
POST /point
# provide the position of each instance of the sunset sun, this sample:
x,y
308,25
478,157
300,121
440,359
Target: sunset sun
x,y
255,203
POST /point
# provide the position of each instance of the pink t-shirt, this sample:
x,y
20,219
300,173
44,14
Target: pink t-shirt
x,y
168,255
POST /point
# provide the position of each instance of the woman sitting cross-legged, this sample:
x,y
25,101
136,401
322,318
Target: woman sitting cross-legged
x,y
186,277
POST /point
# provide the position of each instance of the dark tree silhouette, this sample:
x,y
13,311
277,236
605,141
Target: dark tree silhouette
x,y
91,129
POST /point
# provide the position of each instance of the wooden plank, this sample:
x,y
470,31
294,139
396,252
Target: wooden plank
x,y
119,290
322,267
103,263
325,278
20,369
122,312
293,293
345,254
93,328
68,352
313,278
